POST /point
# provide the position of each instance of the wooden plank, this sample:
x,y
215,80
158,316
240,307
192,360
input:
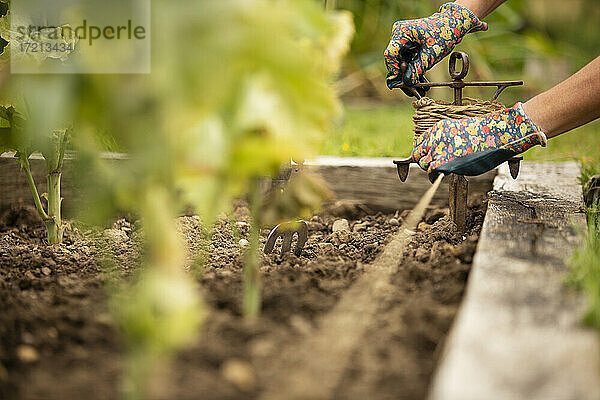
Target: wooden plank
x,y
375,182
15,190
370,181
518,334
13,183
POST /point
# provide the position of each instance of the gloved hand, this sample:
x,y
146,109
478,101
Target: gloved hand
x,y
472,146
424,42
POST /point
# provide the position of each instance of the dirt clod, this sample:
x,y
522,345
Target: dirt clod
x,y
239,373
27,354
360,227
422,254
422,227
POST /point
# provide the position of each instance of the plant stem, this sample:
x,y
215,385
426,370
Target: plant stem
x,y
251,304
160,233
54,221
137,372
54,165
36,196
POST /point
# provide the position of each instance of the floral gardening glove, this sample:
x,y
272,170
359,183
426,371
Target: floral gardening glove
x,y
472,146
424,42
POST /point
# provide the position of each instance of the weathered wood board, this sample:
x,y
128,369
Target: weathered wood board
x,y
13,183
371,181
518,334
15,190
375,182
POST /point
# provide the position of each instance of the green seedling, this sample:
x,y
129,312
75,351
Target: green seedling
x,y
32,119
14,138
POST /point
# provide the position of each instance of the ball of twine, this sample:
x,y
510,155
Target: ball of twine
x,y
429,111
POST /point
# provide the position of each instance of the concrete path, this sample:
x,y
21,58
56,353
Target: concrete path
x,y
518,334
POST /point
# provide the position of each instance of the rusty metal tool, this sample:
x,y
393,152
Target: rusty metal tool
x,y
286,231
457,79
459,185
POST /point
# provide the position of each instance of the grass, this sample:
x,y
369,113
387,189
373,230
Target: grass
x,y
585,268
371,131
385,130
585,262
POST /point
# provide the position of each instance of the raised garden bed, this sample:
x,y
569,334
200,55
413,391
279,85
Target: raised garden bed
x,y
57,339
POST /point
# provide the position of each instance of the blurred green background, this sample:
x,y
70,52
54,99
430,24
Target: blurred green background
x,y
540,42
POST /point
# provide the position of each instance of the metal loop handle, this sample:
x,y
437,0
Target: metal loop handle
x,y
452,65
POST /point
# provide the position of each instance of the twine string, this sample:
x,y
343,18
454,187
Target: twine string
x,y
429,111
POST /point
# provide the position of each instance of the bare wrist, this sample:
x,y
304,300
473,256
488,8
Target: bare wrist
x,y
481,8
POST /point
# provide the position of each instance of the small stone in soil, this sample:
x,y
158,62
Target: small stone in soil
x,y
360,227
340,225
27,354
394,222
46,271
52,333
243,242
239,373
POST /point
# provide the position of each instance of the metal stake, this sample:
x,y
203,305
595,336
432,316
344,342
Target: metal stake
x,y
458,194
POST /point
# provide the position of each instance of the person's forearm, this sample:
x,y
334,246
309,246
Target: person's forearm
x,y
481,8
570,104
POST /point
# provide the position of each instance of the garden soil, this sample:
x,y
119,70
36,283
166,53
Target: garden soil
x,y
59,341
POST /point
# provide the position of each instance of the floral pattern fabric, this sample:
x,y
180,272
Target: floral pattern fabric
x,y
428,40
450,139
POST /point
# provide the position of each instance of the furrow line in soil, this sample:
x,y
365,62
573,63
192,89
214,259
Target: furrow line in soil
x,y
312,368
